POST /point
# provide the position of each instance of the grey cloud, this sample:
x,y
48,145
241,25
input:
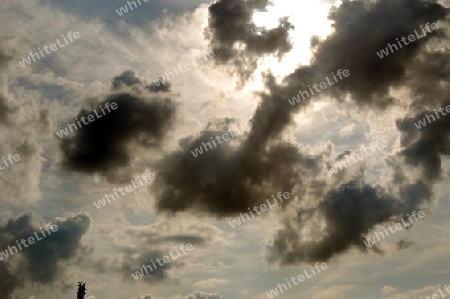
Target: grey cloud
x,y
350,213
163,86
160,274
351,210
152,241
230,23
43,261
5,58
237,175
127,78
195,295
103,145
404,244
152,235
423,148
372,25
6,111
203,295
141,119
227,179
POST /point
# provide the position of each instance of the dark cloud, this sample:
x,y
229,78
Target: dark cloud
x,y
429,78
247,170
230,22
102,146
162,86
141,119
228,178
126,78
5,58
234,176
6,111
423,148
10,280
372,25
43,261
404,244
349,213
352,210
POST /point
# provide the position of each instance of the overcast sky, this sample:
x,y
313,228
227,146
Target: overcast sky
x,y
261,55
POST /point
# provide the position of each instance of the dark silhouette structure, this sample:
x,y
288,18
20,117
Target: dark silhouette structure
x,y
81,294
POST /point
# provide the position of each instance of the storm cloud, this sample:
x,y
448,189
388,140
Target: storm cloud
x,y
103,146
229,178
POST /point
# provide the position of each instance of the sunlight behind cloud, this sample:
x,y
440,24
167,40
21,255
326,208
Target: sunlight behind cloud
x,y
309,18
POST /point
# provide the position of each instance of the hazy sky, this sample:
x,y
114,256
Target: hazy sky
x,y
264,55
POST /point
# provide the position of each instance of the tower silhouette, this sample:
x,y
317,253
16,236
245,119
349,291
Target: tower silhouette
x,y
81,290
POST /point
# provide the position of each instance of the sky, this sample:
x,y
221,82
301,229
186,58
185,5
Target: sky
x,y
208,143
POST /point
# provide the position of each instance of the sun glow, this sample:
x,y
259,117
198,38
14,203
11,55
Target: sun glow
x,y
310,18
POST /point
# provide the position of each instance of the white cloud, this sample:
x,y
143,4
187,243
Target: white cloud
x,y
416,293
210,284
388,289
